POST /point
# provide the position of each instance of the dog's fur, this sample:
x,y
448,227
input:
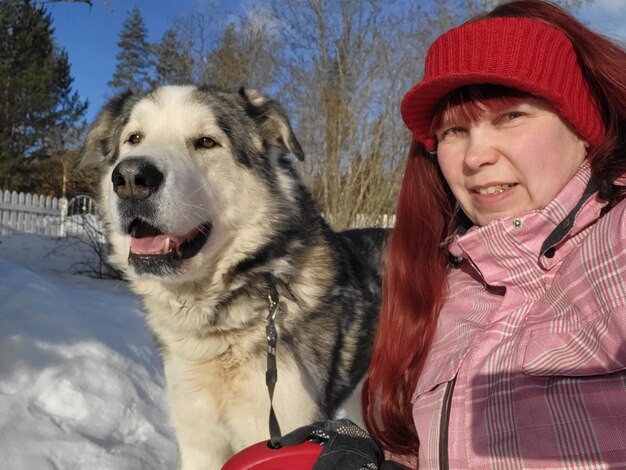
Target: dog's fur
x,y
209,171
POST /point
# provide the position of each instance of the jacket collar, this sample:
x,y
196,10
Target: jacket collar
x,y
537,237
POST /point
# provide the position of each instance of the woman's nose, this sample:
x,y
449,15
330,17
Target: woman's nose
x,y
480,151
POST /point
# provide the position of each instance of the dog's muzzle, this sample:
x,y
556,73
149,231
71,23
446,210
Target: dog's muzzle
x,y
152,251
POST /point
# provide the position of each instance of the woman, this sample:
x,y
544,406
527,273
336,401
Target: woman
x,y
502,336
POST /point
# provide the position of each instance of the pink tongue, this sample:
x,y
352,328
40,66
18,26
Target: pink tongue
x,y
156,245
151,245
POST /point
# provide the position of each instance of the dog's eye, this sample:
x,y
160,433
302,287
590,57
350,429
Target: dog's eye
x,y
205,143
134,138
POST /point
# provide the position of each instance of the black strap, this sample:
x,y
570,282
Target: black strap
x,y
566,224
271,374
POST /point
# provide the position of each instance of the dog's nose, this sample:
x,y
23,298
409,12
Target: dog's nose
x,y
136,178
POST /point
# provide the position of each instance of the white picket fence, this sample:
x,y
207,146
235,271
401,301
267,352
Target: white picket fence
x,y
44,215
383,220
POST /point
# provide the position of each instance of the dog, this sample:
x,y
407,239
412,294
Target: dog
x,y
215,230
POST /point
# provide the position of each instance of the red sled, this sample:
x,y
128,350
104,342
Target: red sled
x,y
262,457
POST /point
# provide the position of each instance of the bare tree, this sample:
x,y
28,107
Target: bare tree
x,y
344,71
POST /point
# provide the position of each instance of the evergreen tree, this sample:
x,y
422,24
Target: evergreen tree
x,y
245,55
134,58
227,67
174,64
38,109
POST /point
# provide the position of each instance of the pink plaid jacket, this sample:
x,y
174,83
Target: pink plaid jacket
x,y
528,365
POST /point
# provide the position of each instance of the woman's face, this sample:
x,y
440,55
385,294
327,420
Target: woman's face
x,y
515,158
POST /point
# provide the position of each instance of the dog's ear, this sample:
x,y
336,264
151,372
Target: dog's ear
x,y
273,122
100,139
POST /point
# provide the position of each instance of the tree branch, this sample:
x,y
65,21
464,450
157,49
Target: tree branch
x,y
88,2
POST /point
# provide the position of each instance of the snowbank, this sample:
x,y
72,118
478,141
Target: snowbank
x,y
81,384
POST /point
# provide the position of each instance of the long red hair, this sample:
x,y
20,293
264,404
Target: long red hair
x,y
414,281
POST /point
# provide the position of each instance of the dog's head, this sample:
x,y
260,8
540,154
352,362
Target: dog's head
x,y
186,171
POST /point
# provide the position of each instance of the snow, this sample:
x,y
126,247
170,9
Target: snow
x,y
81,382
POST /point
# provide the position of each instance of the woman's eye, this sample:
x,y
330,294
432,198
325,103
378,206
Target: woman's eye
x,y
513,115
510,116
134,139
451,132
205,143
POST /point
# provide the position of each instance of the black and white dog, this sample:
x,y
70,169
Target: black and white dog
x,y
209,220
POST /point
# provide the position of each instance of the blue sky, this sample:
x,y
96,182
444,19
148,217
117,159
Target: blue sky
x,y
90,34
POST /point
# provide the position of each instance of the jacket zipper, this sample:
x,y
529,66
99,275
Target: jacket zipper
x,y
444,424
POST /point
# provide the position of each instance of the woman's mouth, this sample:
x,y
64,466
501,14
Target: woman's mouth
x,y
495,189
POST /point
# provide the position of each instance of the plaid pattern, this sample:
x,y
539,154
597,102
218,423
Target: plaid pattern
x,y
538,344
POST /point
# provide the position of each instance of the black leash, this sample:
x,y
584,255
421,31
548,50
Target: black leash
x,y
271,374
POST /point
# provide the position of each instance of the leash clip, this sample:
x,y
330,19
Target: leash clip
x,y
270,329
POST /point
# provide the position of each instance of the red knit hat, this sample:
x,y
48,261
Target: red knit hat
x,y
520,53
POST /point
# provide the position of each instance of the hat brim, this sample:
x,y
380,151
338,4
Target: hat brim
x,y
419,103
